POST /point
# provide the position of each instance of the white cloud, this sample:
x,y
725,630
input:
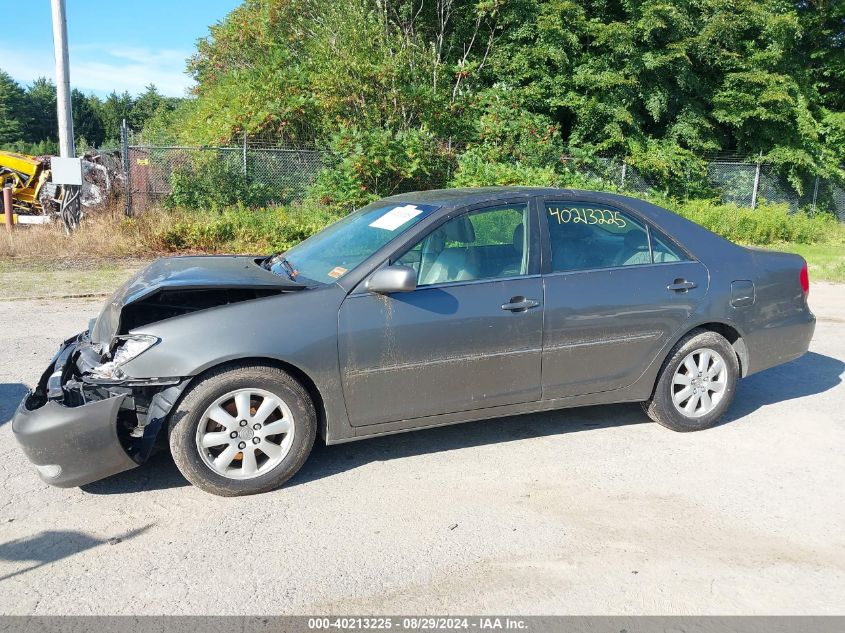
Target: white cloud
x,y
101,68
147,56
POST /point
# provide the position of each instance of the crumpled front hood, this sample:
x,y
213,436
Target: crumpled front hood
x,y
188,273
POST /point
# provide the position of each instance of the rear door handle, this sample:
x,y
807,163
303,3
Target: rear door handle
x,y
681,285
520,304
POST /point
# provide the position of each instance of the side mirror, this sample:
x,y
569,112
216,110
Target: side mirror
x,y
392,279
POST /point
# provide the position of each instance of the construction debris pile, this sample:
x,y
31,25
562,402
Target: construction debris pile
x,y
36,198
102,178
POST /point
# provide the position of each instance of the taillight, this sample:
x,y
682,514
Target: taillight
x,y
804,276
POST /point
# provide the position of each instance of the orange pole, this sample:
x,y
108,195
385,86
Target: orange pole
x,y
7,203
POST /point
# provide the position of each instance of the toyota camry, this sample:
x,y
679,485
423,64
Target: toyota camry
x,y
415,311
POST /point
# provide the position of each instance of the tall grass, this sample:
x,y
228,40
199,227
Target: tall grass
x,y
240,229
765,225
104,235
157,231
237,229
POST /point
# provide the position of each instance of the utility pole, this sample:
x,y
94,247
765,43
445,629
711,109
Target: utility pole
x,y
65,116
66,170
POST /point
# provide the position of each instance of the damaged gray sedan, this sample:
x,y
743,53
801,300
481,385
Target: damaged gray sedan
x,y
415,311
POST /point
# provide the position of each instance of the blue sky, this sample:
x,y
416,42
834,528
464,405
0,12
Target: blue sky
x,y
114,44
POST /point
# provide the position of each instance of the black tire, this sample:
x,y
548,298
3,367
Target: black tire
x,y
188,414
660,406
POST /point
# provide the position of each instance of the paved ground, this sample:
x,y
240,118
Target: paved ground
x,y
588,511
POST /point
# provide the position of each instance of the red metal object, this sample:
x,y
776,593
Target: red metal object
x,y
7,204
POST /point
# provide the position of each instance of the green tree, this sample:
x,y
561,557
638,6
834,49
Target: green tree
x,y
666,83
147,105
822,48
87,121
301,68
662,84
14,114
41,100
114,110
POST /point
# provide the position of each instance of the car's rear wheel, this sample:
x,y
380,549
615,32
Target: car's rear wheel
x,y
243,430
697,383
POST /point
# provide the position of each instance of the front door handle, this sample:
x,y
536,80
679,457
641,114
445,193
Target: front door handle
x,y
681,285
520,304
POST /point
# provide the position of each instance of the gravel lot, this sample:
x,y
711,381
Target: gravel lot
x,y
587,511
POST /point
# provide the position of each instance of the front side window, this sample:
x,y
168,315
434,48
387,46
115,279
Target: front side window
x,y
485,244
584,236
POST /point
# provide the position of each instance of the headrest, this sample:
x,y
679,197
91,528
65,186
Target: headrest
x,y
459,230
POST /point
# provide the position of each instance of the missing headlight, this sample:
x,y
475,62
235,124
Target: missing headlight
x,y
125,349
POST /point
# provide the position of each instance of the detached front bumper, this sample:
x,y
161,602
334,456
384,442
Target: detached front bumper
x,y
77,428
72,446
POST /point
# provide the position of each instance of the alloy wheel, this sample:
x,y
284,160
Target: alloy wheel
x,y
245,433
699,383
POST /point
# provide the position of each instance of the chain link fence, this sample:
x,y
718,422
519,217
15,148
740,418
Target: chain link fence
x,y
612,171
284,174
276,173
742,183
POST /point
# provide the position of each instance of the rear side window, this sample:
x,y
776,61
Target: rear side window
x,y
584,237
589,236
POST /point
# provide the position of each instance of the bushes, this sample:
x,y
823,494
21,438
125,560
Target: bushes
x,y
676,171
474,170
507,132
511,147
767,224
208,182
370,164
240,229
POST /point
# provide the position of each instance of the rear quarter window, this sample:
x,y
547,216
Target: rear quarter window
x,y
662,250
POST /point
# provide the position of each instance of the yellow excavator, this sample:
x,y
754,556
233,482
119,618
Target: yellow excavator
x,y
32,191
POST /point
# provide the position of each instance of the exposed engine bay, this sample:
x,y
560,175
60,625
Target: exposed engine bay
x,y
85,371
168,303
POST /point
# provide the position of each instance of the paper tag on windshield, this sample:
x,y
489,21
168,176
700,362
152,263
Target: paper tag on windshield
x,y
396,217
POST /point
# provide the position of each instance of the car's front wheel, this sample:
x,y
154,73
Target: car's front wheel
x,y
697,383
243,430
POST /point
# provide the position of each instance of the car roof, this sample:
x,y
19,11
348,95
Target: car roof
x,y
463,196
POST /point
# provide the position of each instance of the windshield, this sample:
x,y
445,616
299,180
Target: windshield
x,y
328,255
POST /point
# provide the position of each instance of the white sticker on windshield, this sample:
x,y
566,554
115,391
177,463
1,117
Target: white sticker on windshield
x,y
396,217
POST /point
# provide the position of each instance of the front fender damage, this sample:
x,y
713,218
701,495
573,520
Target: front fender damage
x,y
78,425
